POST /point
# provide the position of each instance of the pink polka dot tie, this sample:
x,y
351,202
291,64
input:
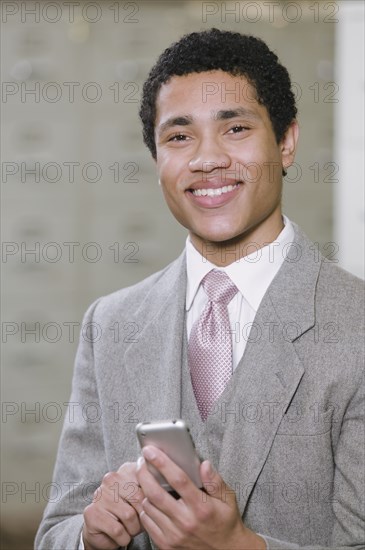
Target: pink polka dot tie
x,y
210,346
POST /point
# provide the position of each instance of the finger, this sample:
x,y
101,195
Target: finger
x,y
159,526
214,484
103,530
129,518
125,512
175,476
100,541
129,489
131,493
152,529
158,497
153,490
111,498
121,486
155,521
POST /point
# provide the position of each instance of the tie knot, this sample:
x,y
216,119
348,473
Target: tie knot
x,y
219,287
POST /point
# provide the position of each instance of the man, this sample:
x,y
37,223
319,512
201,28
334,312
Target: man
x,y
282,436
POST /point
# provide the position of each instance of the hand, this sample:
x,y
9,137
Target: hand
x,y
112,519
199,520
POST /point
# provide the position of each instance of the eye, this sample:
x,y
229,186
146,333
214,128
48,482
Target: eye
x,y
178,137
237,128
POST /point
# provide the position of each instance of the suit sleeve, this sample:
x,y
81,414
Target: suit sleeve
x,y
349,484
81,459
80,463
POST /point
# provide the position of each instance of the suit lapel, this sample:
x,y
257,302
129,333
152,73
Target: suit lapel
x,y
264,383
153,362
260,391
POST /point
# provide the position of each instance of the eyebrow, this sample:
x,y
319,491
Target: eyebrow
x,y
224,114
233,113
175,121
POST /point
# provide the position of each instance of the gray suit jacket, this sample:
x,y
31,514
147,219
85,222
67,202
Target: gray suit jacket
x,y
290,419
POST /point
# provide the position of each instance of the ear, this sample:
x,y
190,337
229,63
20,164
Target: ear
x,y
288,144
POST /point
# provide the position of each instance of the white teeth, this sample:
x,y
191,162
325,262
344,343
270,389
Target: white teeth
x,y
214,192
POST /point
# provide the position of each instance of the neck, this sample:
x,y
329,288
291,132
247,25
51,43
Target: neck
x,y
226,252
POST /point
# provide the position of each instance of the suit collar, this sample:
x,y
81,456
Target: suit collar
x,y
254,403
168,290
292,292
153,361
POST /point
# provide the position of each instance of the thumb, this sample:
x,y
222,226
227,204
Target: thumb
x,y
213,483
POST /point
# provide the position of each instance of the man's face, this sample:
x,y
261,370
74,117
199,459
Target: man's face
x,y
218,161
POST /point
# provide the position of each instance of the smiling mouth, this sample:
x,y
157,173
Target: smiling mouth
x,y
214,192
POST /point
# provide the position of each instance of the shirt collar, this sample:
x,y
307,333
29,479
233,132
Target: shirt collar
x,y
251,274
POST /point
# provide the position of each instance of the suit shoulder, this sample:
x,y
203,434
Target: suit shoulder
x,y
340,280
341,291
128,299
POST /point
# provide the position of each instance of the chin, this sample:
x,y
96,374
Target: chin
x,y
217,236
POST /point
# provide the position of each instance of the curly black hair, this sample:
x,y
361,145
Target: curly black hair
x,y
232,52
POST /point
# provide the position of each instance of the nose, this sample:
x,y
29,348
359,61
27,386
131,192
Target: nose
x,y
208,156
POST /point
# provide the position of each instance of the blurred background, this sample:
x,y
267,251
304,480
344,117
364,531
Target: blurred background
x,y
82,212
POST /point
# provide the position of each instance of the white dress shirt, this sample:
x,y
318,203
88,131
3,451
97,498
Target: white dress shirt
x,y
251,274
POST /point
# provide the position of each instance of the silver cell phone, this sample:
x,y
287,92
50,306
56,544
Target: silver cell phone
x,y
173,438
